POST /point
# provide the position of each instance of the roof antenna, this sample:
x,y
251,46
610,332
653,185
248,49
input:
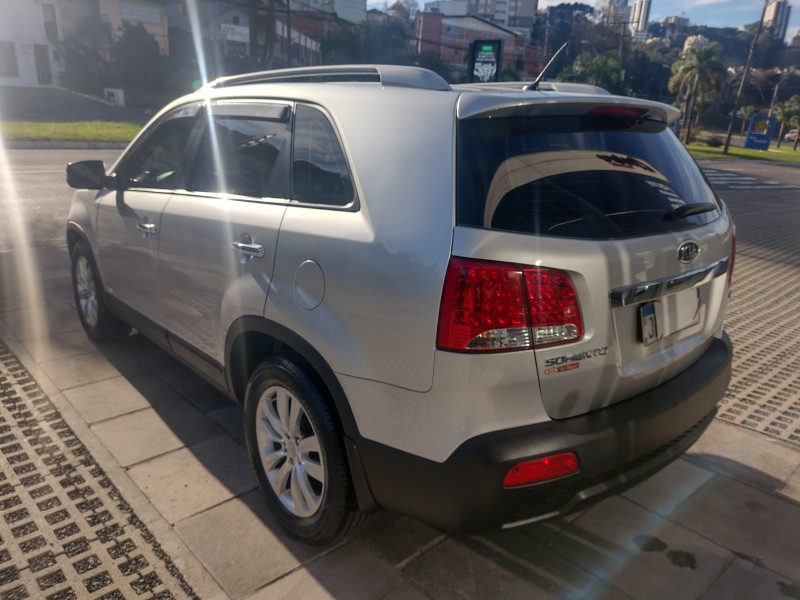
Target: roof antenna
x,y
534,85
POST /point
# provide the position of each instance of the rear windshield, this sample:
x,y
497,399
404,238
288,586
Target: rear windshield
x,y
574,177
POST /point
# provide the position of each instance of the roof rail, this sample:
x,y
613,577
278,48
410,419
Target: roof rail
x,y
387,75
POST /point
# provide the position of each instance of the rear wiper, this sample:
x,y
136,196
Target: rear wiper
x,y
688,210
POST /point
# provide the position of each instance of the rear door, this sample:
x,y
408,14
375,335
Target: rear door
x,y
603,191
218,237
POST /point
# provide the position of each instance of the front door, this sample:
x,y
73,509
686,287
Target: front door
x,y
129,220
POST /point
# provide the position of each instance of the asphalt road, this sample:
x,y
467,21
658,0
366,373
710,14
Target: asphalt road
x,y
34,196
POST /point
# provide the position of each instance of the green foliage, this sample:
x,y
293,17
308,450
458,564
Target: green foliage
x,y
701,150
604,70
86,53
137,59
385,42
745,113
90,131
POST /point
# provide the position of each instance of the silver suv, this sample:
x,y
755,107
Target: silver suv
x,y
480,306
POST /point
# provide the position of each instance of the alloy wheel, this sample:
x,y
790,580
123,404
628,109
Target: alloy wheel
x,y
290,451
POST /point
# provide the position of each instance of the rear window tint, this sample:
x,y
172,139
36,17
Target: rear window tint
x,y
566,177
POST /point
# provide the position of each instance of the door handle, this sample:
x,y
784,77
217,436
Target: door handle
x,y
248,251
146,229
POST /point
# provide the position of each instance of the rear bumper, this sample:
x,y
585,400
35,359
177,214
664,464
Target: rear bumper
x,y
617,447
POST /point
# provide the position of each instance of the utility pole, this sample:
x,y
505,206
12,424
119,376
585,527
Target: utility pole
x,y
738,99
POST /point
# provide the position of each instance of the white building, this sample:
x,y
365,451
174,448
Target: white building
x,y
617,13
776,18
508,13
640,15
29,31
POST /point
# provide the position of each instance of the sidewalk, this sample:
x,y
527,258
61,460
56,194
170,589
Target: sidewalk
x,y
158,497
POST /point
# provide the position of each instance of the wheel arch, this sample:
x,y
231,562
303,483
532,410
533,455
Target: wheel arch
x,y
250,339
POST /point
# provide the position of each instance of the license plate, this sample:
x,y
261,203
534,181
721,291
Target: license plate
x,y
669,315
649,323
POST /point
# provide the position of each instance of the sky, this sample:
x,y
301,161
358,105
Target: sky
x,y
716,13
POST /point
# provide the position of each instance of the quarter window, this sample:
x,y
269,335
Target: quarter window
x,y
319,168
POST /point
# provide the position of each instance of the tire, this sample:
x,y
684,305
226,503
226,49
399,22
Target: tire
x,y
298,455
99,324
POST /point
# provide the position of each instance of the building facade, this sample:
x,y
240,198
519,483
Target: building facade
x,y
29,54
31,42
617,13
640,15
451,37
776,18
507,13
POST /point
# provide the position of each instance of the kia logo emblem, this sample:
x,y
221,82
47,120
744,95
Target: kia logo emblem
x,y
688,251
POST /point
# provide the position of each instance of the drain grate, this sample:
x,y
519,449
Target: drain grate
x,y
65,530
764,394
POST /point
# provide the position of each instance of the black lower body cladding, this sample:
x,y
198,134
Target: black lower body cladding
x,y
617,447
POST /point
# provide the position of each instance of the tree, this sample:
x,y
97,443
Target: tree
x,y
86,56
137,59
604,70
697,77
746,112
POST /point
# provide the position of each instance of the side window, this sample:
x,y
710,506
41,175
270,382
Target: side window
x,y
319,169
158,161
241,150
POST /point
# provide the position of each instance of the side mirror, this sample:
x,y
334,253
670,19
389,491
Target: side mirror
x,y
88,174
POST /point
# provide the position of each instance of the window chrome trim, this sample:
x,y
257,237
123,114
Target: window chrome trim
x,y
652,290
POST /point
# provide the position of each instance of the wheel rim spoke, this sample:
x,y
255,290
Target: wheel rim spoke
x,y
86,291
310,499
290,451
280,478
270,460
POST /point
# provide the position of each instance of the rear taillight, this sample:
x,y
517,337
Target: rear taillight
x,y
629,112
495,307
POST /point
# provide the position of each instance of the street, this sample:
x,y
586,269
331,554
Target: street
x,y
121,471
34,190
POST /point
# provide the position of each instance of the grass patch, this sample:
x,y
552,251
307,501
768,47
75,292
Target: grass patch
x,y
83,131
782,154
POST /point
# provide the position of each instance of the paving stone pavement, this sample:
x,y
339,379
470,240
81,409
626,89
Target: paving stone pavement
x,y
70,533
144,477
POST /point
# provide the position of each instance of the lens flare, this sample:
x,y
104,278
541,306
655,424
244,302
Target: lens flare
x,y
20,279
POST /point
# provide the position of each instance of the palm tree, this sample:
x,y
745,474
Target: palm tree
x,y
783,112
746,112
698,77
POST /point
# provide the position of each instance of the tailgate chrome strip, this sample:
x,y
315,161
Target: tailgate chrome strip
x,y
646,292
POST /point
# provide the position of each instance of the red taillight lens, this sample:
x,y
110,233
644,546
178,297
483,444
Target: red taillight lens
x,y
482,308
555,316
495,307
542,469
630,112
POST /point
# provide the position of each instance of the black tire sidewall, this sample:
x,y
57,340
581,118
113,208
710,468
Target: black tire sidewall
x,y
333,515
107,327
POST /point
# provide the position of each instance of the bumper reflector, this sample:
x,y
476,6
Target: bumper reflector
x,y
542,469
